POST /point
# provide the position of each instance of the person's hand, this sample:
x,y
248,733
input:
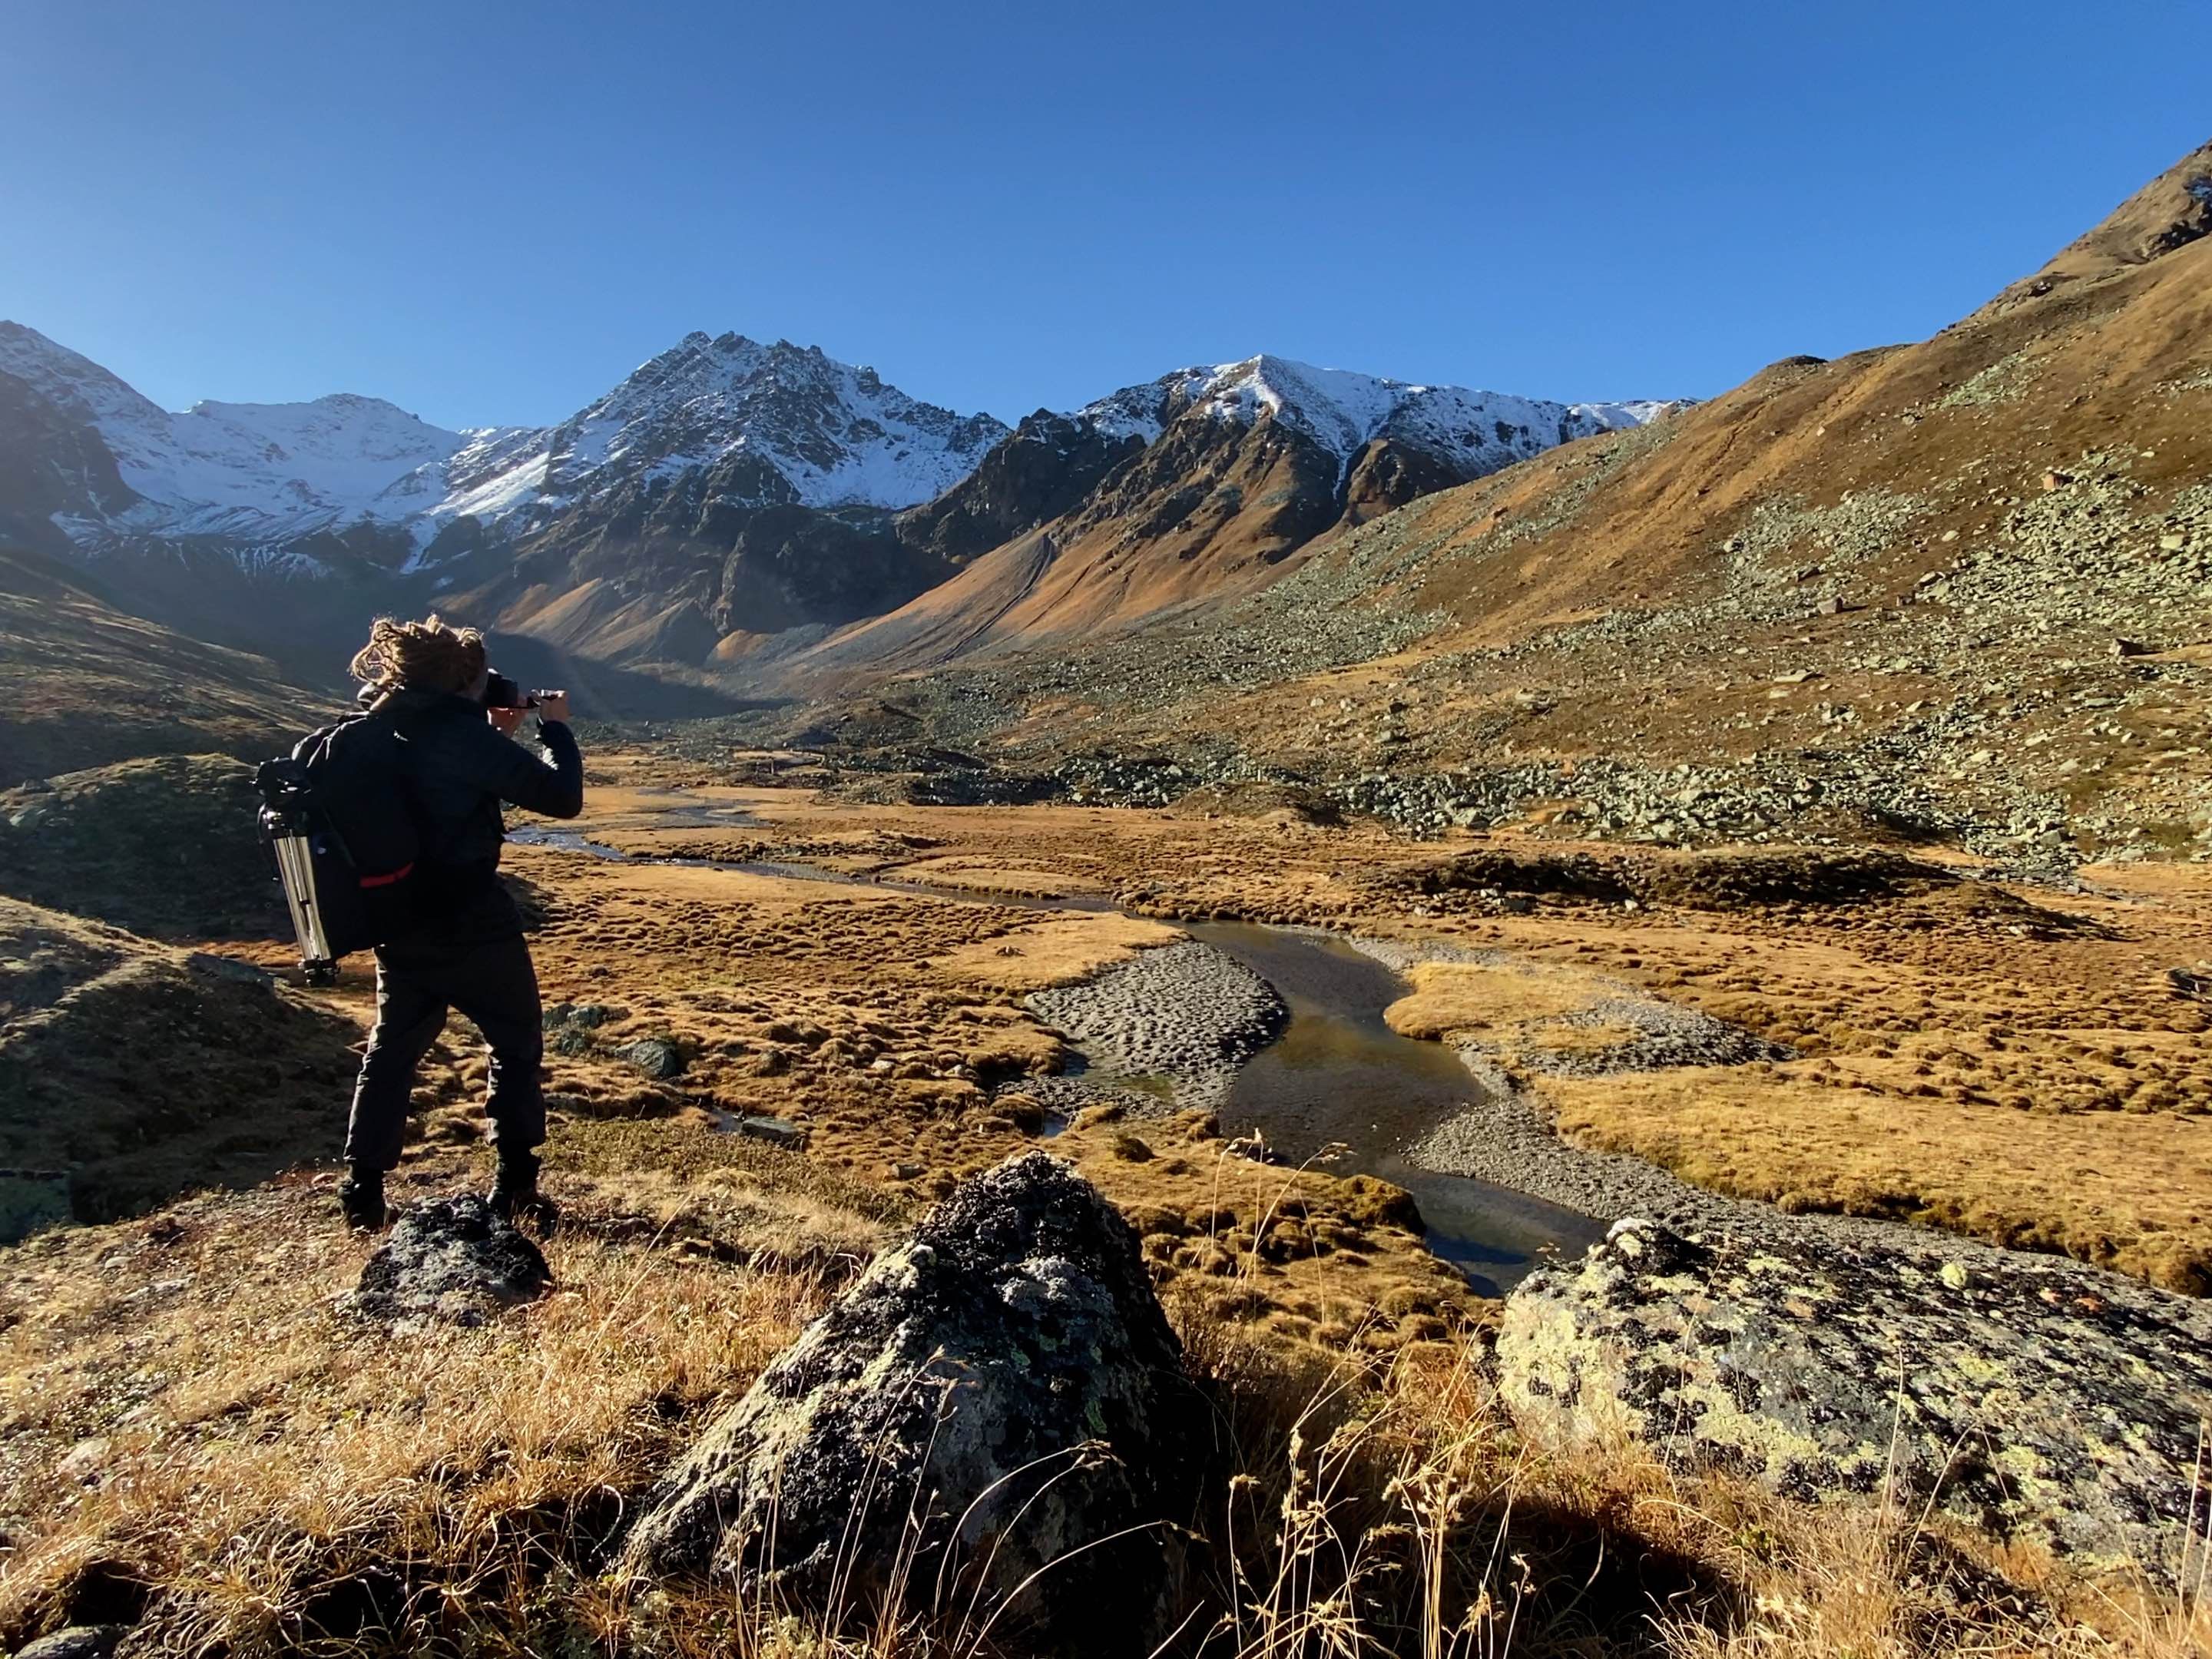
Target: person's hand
x,y
552,706
508,721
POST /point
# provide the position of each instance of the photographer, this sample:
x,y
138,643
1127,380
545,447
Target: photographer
x,y
468,951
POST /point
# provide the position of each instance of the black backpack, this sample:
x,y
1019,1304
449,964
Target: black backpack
x,y
340,815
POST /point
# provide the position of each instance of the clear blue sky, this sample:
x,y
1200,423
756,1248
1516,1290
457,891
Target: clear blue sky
x,y
491,212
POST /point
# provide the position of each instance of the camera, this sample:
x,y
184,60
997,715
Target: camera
x,y
501,692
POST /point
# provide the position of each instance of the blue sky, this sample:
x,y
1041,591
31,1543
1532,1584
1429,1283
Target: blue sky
x,y
491,212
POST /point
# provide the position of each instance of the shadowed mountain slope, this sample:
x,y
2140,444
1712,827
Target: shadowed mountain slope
x,y
84,684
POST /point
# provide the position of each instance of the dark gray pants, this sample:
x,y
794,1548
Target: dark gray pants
x,y
492,982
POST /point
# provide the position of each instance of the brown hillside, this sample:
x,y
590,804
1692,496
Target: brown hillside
x,y
1210,511
167,847
2173,211
1967,580
2003,405
133,1071
82,684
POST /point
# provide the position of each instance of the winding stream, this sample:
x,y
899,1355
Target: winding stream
x,y
1338,1075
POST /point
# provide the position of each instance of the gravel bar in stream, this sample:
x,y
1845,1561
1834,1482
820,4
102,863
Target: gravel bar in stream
x,y
1186,1012
1503,1138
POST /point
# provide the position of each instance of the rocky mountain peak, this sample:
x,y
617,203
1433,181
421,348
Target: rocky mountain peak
x,y
80,388
818,432
1470,432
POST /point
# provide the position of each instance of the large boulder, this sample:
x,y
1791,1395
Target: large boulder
x,y
994,1417
2028,1395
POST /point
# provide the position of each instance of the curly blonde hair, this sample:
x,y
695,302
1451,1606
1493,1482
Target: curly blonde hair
x,y
419,656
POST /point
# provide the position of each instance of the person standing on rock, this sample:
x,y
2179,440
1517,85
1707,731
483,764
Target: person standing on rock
x,y
466,951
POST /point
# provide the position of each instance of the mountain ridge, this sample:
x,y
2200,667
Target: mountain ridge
x,y
1239,470
723,495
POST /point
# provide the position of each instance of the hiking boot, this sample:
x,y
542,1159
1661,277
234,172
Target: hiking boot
x,y
515,1196
361,1197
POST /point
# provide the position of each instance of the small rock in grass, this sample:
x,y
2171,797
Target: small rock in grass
x,y
452,1260
773,1130
77,1642
657,1057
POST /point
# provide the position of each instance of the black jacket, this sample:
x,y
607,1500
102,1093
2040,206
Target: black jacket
x,y
460,769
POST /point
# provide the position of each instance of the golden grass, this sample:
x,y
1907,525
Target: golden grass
x,y
968,875
182,1401
2129,1191
1478,999
1055,950
1389,1507
188,1396
1941,1018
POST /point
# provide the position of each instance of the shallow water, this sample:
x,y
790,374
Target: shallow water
x,y
1339,1075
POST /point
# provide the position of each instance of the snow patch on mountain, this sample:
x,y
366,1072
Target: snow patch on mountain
x,y
757,424
783,424
1343,411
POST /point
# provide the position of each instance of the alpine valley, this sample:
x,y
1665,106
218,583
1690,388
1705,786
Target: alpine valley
x,y
1284,1014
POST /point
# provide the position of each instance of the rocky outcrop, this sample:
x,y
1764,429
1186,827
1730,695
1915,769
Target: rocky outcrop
x,y
452,1260
77,1642
2010,1393
1042,469
994,1417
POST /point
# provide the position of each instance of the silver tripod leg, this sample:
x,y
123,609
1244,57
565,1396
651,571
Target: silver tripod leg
x,y
295,864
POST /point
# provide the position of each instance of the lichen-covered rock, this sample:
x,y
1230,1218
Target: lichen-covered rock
x,y
1000,1397
2023,1394
453,1259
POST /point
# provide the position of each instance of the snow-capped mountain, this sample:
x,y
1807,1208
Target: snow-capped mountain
x,y
257,472
1475,432
725,491
785,426
1205,484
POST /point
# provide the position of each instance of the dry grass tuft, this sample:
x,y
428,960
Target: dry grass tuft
x,y
1481,1000
2127,1193
1057,949
189,1397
